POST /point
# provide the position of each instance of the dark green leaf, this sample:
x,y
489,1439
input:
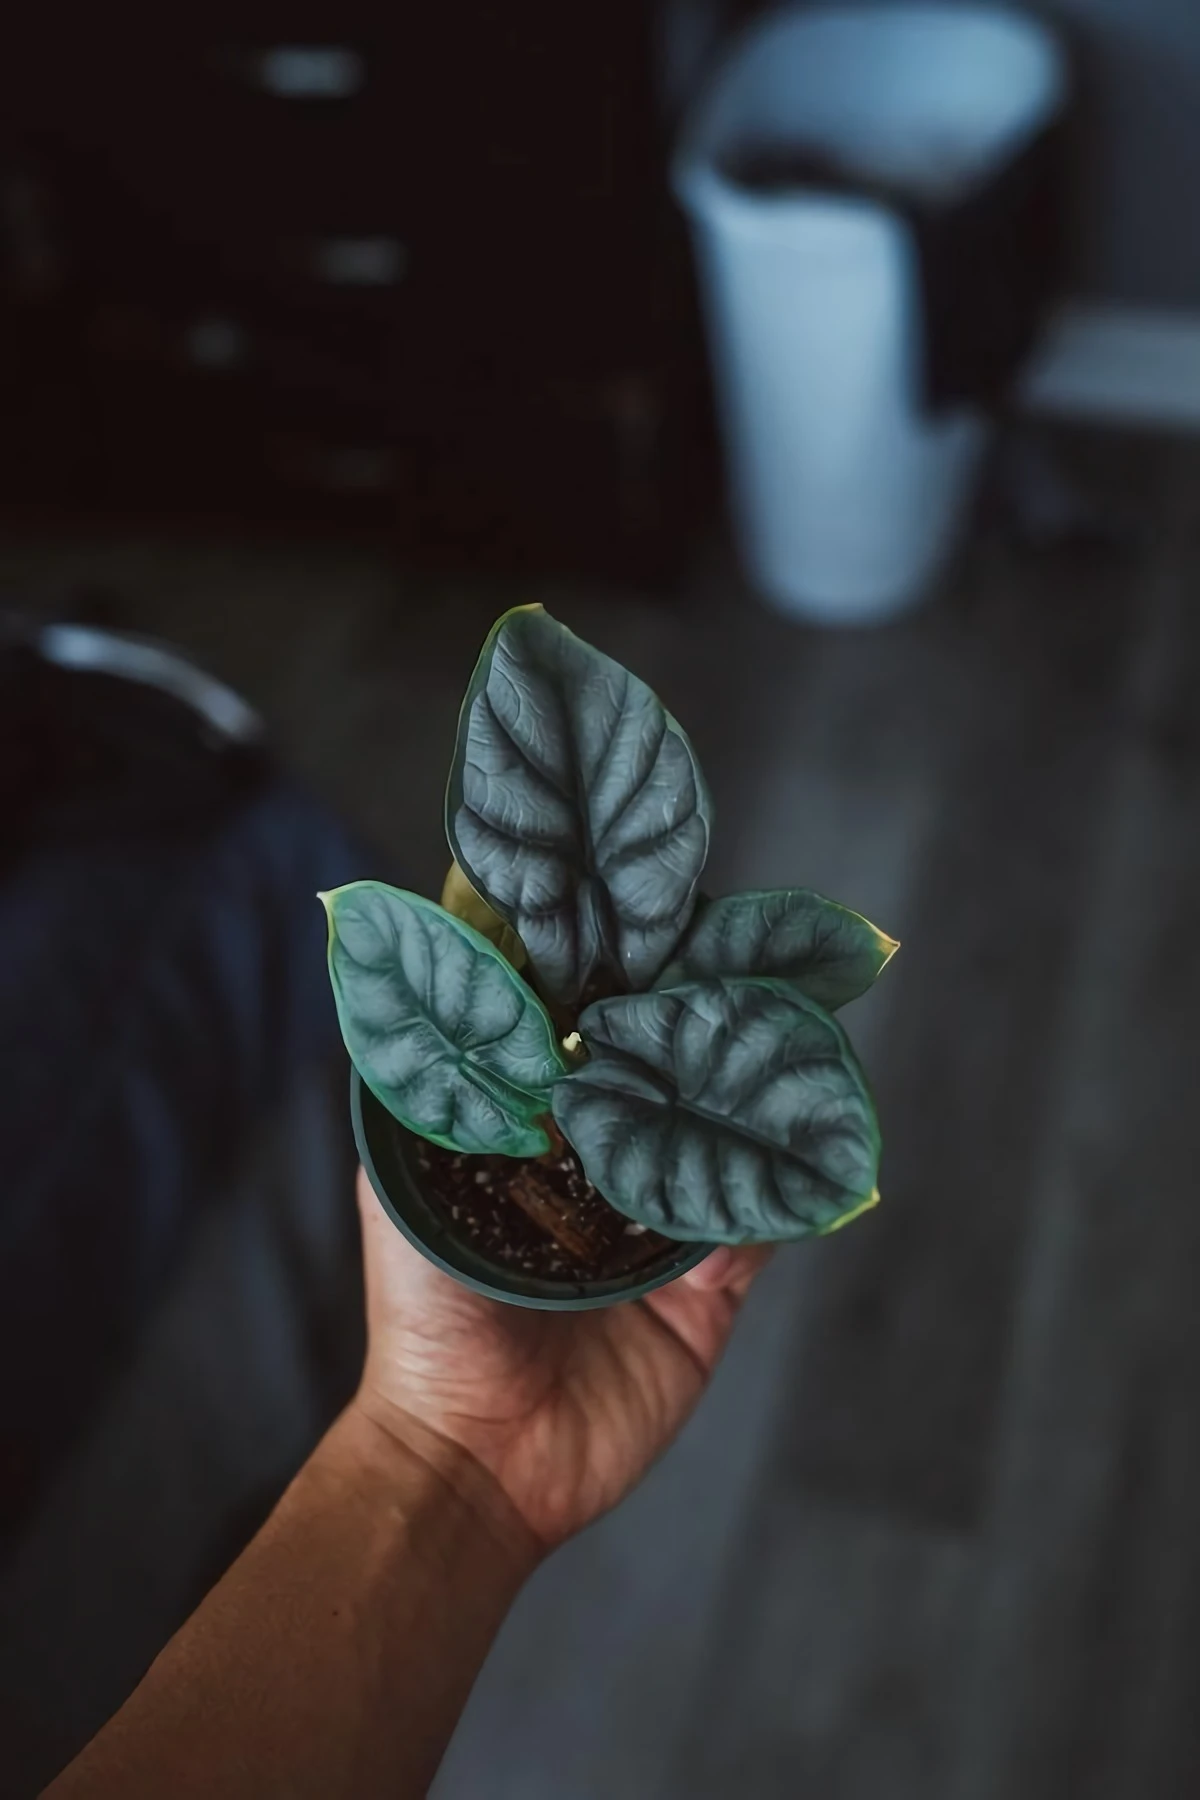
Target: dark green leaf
x,y
726,1110
440,1027
576,808
833,954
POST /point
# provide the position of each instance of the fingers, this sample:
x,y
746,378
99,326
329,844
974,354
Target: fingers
x,y
393,1267
730,1269
375,1223
370,1208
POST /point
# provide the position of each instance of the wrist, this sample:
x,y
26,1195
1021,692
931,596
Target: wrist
x,y
446,1493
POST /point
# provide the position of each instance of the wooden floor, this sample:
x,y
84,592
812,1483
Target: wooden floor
x,y
935,1533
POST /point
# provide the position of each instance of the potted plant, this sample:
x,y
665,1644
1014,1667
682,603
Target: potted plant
x,y
577,1073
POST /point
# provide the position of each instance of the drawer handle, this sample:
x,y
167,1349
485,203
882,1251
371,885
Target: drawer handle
x,y
341,468
360,261
214,342
311,71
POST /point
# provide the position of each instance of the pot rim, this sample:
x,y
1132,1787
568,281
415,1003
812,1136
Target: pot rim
x,y
471,1268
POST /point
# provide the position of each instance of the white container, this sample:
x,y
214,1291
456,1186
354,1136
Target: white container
x,y
846,498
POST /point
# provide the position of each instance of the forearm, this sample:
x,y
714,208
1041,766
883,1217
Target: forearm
x,y
336,1654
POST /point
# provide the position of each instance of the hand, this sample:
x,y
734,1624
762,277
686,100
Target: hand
x,y
566,1411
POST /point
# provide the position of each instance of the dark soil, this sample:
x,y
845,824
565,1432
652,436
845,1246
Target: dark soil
x,y
542,1217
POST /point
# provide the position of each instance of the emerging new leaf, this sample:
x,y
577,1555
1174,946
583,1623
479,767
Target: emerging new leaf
x,y
460,898
440,1027
733,1111
831,953
576,807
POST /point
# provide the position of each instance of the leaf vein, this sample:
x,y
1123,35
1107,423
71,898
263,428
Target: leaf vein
x,y
543,773
639,786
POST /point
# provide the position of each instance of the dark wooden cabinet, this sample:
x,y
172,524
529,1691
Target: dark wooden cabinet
x,y
350,267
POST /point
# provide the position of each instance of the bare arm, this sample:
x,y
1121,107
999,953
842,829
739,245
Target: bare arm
x,y
335,1656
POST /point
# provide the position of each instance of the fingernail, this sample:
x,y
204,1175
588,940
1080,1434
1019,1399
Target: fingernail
x,y
715,1270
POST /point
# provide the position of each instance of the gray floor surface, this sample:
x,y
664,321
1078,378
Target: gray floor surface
x,y
935,1531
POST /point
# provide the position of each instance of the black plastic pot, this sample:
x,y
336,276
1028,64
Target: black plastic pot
x,y
388,1155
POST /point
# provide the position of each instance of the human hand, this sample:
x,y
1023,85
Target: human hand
x,y
565,1411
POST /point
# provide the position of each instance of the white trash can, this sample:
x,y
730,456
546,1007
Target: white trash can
x,y
846,495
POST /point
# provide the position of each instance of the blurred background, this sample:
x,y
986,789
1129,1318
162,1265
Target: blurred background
x,y
838,370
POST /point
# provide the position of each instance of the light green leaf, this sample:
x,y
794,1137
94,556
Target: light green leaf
x,y
576,808
831,953
438,1024
733,1111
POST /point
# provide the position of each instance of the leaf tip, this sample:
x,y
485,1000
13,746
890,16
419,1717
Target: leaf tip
x,y
516,612
325,896
856,1212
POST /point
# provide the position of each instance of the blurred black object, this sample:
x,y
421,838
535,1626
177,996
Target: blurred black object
x,y
413,273
95,747
161,982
